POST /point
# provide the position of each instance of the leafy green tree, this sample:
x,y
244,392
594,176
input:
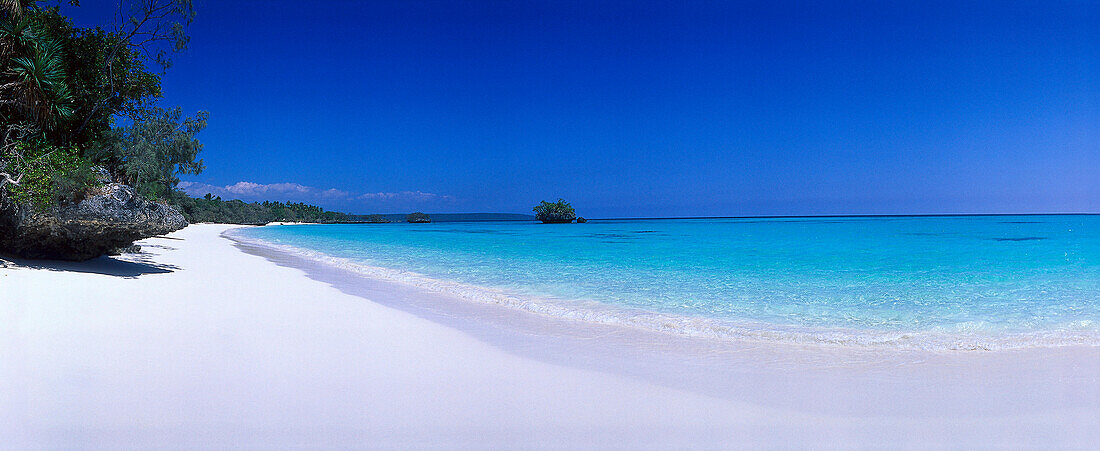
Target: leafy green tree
x,y
39,89
554,212
150,153
33,84
210,208
151,30
63,89
35,100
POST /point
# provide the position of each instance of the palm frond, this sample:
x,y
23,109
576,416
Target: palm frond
x,y
14,8
40,89
17,36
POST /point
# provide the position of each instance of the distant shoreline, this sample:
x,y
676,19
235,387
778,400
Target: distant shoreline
x,y
856,216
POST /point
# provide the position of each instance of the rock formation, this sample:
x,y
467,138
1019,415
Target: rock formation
x,y
112,218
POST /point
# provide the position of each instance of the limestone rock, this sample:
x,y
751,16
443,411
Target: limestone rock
x,y
112,218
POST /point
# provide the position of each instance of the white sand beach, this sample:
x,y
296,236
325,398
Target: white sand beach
x,y
196,344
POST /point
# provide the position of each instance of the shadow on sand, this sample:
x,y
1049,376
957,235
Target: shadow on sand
x,y
134,266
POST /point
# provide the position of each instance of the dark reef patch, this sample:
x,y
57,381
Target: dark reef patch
x,y
610,235
484,231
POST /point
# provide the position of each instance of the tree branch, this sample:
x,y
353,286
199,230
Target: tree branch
x,y
155,12
7,179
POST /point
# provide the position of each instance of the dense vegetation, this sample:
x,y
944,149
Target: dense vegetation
x,y
78,106
211,208
554,212
418,217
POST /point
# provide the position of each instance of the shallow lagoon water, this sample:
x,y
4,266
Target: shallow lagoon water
x,y
960,282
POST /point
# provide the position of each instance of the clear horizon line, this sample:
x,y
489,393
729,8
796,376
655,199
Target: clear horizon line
x,y
857,215
864,215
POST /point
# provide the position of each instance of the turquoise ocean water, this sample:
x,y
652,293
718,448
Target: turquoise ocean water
x,y
963,282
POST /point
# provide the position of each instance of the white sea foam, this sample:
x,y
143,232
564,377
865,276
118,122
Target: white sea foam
x,y
967,336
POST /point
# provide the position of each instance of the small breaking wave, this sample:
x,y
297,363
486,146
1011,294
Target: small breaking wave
x,y
970,336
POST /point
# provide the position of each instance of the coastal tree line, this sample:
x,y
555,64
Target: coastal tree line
x,y
210,208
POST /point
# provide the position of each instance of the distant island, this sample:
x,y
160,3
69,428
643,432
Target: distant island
x,y
418,218
560,212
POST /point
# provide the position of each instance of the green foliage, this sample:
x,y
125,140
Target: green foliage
x,y
108,79
418,217
300,212
63,89
34,84
210,208
108,68
51,175
151,153
554,212
214,209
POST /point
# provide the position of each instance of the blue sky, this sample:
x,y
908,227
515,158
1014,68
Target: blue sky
x,y
643,108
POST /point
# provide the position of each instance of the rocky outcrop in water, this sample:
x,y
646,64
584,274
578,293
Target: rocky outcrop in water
x,y
418,218
555,218
112,218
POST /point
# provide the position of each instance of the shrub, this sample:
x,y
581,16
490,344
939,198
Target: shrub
x,y
51,175
554,212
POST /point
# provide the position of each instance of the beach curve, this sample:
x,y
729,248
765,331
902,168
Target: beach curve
x,y
194,342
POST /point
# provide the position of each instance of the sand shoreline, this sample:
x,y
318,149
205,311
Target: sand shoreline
x,y
739,333
197,343
661,357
